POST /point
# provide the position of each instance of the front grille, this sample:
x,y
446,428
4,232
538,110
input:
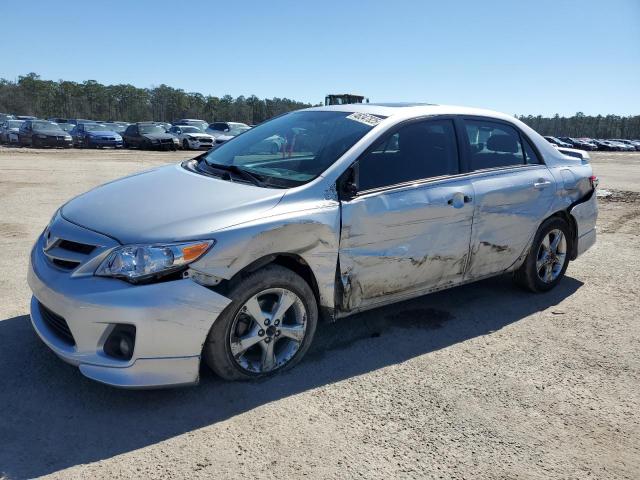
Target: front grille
x,y
66,264
205,140
76,247
57,324
166,140
109,139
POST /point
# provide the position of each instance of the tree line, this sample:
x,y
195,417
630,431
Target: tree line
x,y
581,125
31,95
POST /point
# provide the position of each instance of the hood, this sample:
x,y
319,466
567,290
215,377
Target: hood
x,y
51,133
168,204
100,133
158,136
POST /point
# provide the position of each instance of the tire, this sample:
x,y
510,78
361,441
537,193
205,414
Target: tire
x,y
185,144
219,350
533,274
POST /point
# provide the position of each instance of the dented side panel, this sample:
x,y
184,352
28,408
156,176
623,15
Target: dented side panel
x,y
308,230
402,240
509,206
585,215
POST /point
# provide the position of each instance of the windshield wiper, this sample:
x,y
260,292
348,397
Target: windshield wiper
x,y
252,177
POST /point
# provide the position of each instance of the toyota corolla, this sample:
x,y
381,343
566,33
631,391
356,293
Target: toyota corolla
x,y
232,257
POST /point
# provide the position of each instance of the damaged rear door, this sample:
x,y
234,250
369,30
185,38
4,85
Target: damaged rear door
x,y
513,192
407,230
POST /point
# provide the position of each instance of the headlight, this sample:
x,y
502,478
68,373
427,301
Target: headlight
x,y
118,138
42,136
67,137
154,140
138,262
176,140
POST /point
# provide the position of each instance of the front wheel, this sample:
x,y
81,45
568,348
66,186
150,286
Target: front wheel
x,y
268,326
185,144
548,258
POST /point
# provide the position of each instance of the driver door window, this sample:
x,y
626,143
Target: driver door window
x,y
417,151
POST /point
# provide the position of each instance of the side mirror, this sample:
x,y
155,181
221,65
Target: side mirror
x,y
347,186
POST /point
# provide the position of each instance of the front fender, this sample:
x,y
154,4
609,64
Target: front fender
x,y
312,234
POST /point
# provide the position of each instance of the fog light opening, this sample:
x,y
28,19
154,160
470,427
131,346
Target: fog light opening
x,y
121,342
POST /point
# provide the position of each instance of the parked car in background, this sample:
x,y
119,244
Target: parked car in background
x,y
230,258
630,146
150,136
557,142
606,146
76,121
26,117
59,120
194,122
191,137
579,144
118,127
6,116
42,133
626,147
9,131
234,131
67,127
95,135
222,128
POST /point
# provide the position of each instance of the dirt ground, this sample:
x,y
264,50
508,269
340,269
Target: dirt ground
x,y
482,381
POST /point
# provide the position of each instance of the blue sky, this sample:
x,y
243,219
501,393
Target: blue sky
x,y
535,56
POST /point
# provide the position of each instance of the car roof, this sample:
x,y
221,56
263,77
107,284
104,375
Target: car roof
x,y
413,109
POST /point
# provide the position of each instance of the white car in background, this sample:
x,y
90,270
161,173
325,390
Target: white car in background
x,y
233,132
218,129
8,128
192,138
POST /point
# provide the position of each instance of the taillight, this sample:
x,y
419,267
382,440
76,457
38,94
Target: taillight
x,y
594,181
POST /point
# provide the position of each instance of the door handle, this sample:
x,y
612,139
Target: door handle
x,y
541,183
458,199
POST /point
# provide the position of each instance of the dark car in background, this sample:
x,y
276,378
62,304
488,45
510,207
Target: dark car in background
x,y
150,136
42,133
95,135
606,146
557,142
578,143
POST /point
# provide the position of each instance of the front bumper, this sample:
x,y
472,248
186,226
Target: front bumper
x,y
198,145
52,142
172,320
98,142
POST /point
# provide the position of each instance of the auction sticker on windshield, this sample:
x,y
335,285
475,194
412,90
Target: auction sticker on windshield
x,y
365,118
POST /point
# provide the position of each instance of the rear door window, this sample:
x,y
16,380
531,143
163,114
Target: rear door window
x,y
417,151
493,145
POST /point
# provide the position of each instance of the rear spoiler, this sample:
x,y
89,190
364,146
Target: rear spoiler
x,y
575,153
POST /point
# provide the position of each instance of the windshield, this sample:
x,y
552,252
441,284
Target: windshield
x,y
46,126
67,127
294,148
152,129
14,123
237,130
190,130
95,127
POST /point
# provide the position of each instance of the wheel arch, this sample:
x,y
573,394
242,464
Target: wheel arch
x,y
291,261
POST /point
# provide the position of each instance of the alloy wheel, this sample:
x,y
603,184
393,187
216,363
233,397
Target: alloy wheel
x,y
552,255
268,330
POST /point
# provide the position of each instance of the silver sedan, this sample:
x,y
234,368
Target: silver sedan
x,y
233,257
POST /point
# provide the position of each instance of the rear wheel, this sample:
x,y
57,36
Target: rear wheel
x,y
268,327
548,258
